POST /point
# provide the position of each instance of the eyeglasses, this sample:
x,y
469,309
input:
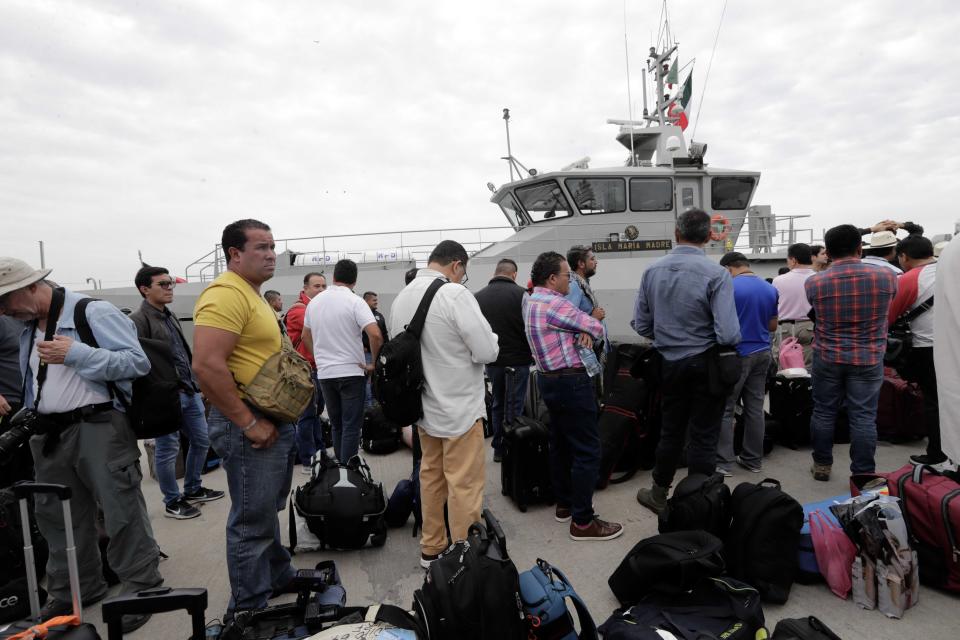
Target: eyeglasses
x,y
166,284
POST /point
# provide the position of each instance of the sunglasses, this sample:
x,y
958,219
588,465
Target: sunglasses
x,y
166,284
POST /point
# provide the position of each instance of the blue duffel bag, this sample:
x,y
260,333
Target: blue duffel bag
x,y
544,591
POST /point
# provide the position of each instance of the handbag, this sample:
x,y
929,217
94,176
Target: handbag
x,y
835,553
900,337
791,354
283,387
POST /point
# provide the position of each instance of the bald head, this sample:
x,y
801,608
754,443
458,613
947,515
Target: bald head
x,y
506,267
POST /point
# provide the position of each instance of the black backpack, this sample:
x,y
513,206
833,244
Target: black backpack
x,y
154,409
472,591
379,434
714,608
669,563
342,505
698,502
809,628
761,546
398,372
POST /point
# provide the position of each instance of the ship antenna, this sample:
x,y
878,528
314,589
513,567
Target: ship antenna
x,y
626,53
707,76
509,158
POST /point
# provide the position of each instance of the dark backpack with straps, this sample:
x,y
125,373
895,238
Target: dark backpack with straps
x,y
900,336
154,408
398,372
761,546
698,502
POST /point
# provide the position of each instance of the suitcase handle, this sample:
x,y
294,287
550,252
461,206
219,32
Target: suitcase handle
x,y
159,600
494,529
25,488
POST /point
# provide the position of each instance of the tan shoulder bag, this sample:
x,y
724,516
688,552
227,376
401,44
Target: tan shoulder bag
x,y
283,388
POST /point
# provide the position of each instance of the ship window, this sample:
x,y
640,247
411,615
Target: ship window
x,y
731,192
544,201
598,195
509,207
651,194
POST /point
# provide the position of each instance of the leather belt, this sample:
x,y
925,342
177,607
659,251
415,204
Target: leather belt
x,y
569,371
795,321
77,415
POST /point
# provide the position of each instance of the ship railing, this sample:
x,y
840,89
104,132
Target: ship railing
x,y
362,248
776,234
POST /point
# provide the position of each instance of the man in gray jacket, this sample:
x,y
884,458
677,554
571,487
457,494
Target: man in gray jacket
x,y
86,442
154,320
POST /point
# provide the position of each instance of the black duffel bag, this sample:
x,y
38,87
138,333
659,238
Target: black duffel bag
x,y
472,591
342,504
670,563
714,608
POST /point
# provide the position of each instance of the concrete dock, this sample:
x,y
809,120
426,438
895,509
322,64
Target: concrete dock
x,y
392,573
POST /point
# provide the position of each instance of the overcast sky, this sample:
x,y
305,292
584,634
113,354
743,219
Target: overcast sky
x,y
150,125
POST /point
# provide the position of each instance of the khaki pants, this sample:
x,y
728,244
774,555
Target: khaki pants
x,y
802,330
451,472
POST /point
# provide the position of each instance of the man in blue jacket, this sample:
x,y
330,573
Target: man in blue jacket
x,y
86,442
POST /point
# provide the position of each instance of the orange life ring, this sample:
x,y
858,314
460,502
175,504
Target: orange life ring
x,y
719,227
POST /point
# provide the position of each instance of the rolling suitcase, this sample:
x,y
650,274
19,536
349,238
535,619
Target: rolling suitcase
x,y
159,600
525,469
899,410
69,627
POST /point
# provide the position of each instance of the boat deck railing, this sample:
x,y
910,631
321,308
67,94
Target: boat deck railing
x,y
770,235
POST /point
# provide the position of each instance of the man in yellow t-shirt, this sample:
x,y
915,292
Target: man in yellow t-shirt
x,y
236,331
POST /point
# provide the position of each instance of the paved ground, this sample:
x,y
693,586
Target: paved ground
x,y
391,573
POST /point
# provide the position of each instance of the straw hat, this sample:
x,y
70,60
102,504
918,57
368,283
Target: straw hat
x,y
17,274
883,240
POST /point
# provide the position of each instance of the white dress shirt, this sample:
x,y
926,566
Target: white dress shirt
x,y
456,342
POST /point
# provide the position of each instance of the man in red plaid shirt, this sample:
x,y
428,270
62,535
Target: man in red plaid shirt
x,y
850,303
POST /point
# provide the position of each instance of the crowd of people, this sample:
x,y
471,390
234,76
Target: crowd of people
x,y
717,329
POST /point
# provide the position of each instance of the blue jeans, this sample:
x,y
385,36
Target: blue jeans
x,y
309,430
344,397
509,392
259,483
858,389
194,426
574,441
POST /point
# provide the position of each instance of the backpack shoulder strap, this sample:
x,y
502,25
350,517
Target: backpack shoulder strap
x,y
85,331
420,317
400,619
588,628
913,314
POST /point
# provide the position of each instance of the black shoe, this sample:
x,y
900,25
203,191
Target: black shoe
x,y
181,510
928,459
203,495
131,623
54,608
497,456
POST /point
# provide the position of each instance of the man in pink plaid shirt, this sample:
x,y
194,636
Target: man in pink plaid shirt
x,y
555,328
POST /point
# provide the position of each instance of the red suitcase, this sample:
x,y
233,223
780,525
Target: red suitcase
x,y
931,506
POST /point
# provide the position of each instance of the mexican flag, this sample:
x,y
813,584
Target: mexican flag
x,y
679,110
672,76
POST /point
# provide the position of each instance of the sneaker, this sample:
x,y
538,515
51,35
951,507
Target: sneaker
x,y
597,530
928,459
203,495
427,559
181,510
746,466
821,472
726,473
563,514
654,498
131,623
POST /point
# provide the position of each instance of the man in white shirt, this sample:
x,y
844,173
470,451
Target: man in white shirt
x,y
946,346
881,250
333,324
792,307
455,344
